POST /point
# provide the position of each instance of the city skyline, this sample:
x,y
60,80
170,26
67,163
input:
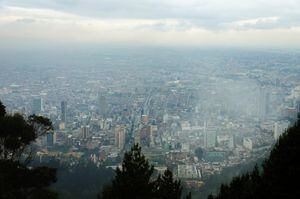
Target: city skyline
x,y
188,92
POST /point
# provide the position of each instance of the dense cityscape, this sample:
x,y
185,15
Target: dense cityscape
x,y
195,111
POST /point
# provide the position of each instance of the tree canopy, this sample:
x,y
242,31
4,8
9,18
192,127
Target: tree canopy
x,y
134,180
17,179
199,152
166,187
2,110
278,177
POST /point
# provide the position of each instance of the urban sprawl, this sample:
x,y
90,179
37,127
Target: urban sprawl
x,y
231,107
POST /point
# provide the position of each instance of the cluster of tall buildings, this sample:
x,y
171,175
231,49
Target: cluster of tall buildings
x,y
231,109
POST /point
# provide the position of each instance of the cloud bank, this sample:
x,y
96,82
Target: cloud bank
x,y
165,22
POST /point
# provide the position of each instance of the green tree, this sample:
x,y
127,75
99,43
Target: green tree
x,y
2,110
135,181
17,179
199,153
81,181
282,169
189,196
166,187
279,174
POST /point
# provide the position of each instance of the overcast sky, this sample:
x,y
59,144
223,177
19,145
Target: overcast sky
x,y
265,23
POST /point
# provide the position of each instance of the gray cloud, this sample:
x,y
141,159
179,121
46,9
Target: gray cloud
x,y
167,22
25,20
211,14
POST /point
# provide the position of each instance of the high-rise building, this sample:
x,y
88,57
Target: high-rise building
x,y
153,134
210,136
51,139
248,143
120,136
85,132
137,136
298,106
279,128
103,106
231,142
145,119
264,100
37,106
70,140
146,135
165,118
64,112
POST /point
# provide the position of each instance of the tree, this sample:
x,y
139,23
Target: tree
x,y
199,153
135,181
81,181
166,187
189,196
279,175
17,179
2,110
282,169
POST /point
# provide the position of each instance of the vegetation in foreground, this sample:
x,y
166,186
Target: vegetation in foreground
x,y
135,180
278,177
17,179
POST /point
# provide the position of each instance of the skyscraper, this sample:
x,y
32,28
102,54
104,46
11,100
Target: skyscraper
x,y
298,106
103,106
210,136
64,111
37,106
85,132
51,139
144,119
264,98
153,133
120,136
137,136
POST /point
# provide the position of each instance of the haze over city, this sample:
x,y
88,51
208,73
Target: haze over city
x,y
155,99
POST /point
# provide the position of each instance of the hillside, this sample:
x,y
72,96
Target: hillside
x,y
278,177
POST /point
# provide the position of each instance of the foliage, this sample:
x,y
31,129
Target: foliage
x,y
165,187
17,180
199,153
278,176
81,181
2,110
213,182
134,180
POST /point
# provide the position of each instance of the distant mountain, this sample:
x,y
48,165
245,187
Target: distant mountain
x,y
279,176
